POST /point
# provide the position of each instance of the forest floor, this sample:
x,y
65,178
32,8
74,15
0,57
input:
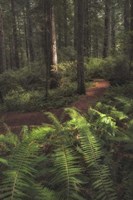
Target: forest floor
x,y
16,120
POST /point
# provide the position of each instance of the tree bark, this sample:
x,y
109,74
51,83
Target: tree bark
x,y
113,28
15,36
53,41
127,27
131,33
65,23
2,44
80,47
75,24
30,32
106,43
50,48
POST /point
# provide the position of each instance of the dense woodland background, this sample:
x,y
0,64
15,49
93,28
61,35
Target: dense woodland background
x,y
41,37
51,51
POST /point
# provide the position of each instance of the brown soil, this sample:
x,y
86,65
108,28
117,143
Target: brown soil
x,y
16,120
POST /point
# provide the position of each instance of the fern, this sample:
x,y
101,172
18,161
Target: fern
x,y
20,171
38,192
93,155
66,172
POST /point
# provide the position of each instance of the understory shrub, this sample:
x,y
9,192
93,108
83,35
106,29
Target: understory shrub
x,y
115,69
22,100
68,70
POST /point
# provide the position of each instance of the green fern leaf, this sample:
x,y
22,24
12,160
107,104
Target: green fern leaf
x,y
100,174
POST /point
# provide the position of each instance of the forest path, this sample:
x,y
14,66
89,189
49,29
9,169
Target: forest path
x,y
16,120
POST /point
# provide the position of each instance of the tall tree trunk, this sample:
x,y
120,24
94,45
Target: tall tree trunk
x,y
65,23
53,40
2,45
106,43
15,36
87,28
80,47
126,27
50,36
113,26
30,32
25,36
75,24
131,33
50,41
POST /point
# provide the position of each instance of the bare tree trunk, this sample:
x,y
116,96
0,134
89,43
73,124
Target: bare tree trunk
x,y
15,36
127,27
131,33
2,45
65,23
50,42
29,32
75,24
25,36
106,43
80,47
113,27
53,40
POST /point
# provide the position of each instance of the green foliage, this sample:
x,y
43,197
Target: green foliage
x,y
52,162
24,100
24,89
115,69
68,70
94,68
92,153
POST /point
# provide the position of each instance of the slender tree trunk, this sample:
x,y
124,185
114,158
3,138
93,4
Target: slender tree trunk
x,y
2,45
127,27
131,33
50,41
86,28
53,41
65,23
15,36
113,27
75,24
106,43
126,15
25,36
80,47
30,32
50,37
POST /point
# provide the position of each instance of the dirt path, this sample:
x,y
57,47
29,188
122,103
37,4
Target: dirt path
x,y
15,120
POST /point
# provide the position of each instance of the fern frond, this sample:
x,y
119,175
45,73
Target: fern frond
x,y
38,192
20,172
9,139
54,120
3,161
66,174
40,133
93,155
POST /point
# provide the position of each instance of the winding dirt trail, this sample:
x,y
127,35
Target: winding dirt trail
x,y
16,120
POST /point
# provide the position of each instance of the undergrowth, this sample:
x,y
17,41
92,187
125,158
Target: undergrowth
x,y
86,157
